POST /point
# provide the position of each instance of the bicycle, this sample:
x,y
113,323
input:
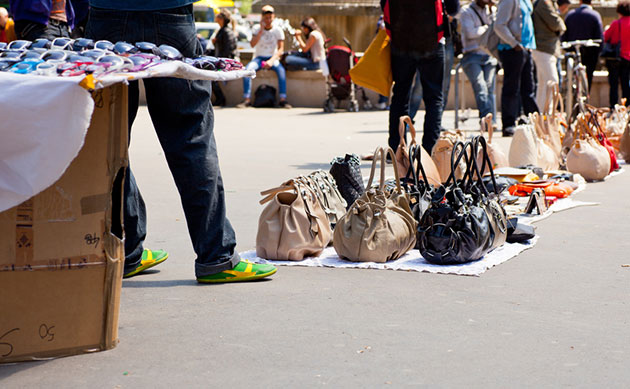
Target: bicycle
x,y
576,78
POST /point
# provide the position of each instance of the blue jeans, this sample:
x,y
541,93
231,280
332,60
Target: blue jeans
x,y
256,64
481,70
184,120
431,70
518,85
302,61
416,92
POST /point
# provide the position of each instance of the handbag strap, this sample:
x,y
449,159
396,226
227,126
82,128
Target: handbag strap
x,y
401,130
480,144
486,126
415,157
381,152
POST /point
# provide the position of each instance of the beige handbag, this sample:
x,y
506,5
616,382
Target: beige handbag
x,y
441,154
524,147
496,154
379,226
552,118
325,188
548,159
402,154
587,157
293,225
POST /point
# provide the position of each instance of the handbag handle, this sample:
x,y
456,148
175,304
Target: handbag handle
x,y
479,143
486,126
380,151
455,160
415,154
401,131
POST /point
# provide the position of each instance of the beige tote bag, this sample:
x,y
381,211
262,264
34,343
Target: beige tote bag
x,y
587,156
524,147
379,226
548,159
402,154
293,225
496,154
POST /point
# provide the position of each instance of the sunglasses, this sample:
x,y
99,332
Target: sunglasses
x,y
82,44
124,48
267,12
13,54
46,69
62,44
19,45
40,44
3,45
25,67
104,45
167,52
94,54
59,55
146,47
34,54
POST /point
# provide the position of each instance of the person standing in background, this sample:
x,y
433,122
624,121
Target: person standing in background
x,y
585,23
224,46
515,29
405,21
548,26
7,27
480,67
47,19
619,70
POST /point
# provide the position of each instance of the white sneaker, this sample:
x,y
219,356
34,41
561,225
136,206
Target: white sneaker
x,y
381,106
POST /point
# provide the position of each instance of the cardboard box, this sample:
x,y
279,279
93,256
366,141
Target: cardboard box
x,y
61,251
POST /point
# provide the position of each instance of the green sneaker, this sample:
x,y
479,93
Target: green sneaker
x,y
149,259
243,271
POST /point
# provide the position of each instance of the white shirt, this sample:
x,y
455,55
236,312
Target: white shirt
x,y
268,43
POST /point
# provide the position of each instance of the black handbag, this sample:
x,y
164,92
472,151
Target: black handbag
x,y
415,183
489,200
610,51
455,228
347,174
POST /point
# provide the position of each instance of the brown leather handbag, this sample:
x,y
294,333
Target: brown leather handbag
x,y
293,225
379,226
402,154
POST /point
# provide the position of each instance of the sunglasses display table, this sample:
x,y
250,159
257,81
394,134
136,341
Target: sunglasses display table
x,y
62,155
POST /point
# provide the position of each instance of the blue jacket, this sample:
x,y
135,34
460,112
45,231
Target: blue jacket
x,y
37,11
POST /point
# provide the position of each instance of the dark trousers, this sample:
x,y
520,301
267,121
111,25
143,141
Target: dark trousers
x,y
431,69
183,119
518,85
618,71
590,56
30,31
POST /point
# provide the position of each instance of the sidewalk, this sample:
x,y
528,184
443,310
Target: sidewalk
x,y
556,315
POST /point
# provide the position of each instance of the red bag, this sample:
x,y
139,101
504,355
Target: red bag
x,y
603,140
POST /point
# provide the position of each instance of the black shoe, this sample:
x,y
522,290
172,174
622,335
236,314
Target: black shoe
x,y
284,104
507,132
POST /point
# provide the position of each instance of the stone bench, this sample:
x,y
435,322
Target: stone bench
x,y
307,88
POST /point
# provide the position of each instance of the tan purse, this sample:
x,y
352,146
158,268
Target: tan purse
x,y
552,118
379,226
325,188
624,144
587,156
495,153
547,158
293,225
402,154
524,147
441,154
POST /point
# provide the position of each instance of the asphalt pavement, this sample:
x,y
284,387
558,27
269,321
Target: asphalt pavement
x,y
557,315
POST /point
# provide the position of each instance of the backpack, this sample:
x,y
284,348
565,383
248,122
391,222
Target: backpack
x,y
265,96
